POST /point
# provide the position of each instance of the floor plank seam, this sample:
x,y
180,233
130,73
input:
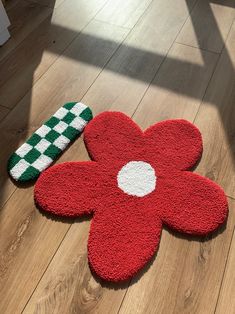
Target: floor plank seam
x,y
123,299
226,37
154,76
199,48
1,119
231,197
225,266
209,81
2,106
106,63
53,255
9,197
120,44
217,62
161,63
112,24
189,13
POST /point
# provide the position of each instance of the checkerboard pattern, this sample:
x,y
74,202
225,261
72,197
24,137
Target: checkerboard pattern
x,y
47,143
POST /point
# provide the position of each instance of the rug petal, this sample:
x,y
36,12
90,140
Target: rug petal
x,y
175,144
191,204
113,136
123,238
68,189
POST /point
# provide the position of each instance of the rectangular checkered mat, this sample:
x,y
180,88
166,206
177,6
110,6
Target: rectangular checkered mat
x,y
47,143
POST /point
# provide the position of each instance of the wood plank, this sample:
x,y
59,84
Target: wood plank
x,y
3,112
56,281
24,17
208,25
179,86
32,58
19,268
123,13
127,14
216,119
68,285
226,302
185,274
134,65
24,256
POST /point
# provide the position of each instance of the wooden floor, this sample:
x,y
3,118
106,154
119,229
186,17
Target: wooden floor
x,y
153,60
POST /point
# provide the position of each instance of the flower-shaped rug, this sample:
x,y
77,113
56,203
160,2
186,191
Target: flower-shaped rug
x,y
137,182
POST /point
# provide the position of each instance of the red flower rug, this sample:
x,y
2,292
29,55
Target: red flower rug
x,y
137,182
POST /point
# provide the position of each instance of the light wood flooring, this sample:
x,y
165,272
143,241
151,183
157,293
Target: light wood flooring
x,y
153,60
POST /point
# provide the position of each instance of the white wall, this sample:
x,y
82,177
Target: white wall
x,y
4,23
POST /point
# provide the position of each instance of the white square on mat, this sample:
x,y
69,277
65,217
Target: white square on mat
x,y
43,130
78,108
24,149
19,168
61,113
42,162
60,127
78,123
61,142
42,145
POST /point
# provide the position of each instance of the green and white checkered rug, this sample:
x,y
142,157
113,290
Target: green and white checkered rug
x,y
47,143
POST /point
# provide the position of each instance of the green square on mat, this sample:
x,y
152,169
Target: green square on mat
x,y
29,173
70,132
86,114
52,151
52,136
32,155
53,121
34,139
14,159
69,117
69,105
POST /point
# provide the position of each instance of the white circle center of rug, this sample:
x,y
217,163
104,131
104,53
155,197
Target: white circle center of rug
x,y
137,178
